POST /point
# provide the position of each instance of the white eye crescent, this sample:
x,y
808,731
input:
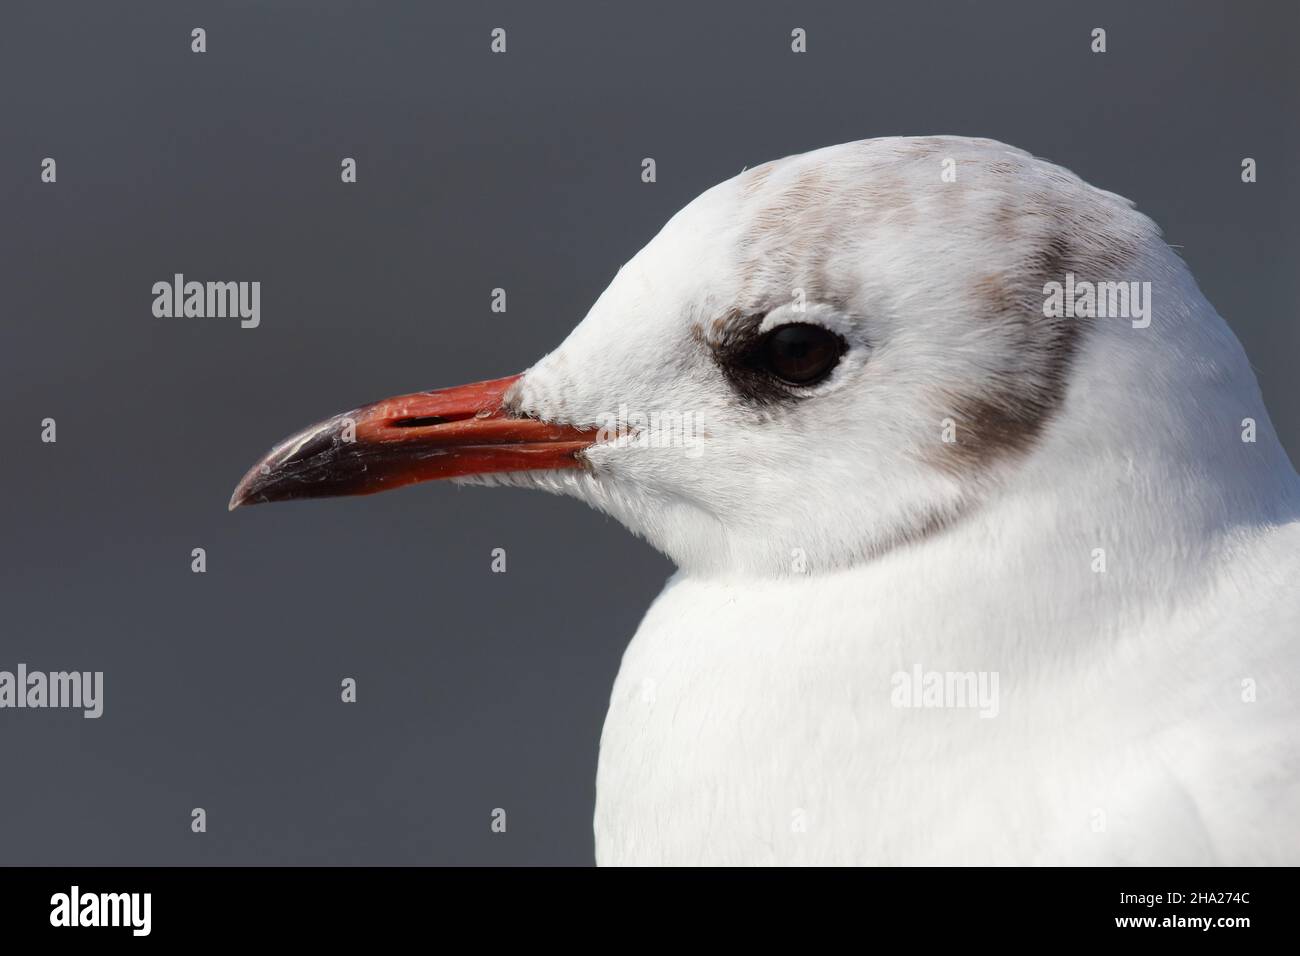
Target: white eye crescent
x,y
814,313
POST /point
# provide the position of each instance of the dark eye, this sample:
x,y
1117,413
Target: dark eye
x,y
801,354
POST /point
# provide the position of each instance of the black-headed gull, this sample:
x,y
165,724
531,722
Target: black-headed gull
x,y
988,551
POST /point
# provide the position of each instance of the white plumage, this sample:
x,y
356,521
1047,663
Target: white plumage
x,y
831,539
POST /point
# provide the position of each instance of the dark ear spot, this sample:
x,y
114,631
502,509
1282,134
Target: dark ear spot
x,y
1006,414
1051,262
1094,237
992,428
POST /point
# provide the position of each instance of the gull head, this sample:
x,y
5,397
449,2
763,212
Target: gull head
x,y
822,359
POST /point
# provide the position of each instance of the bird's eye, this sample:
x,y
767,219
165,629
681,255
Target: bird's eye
x,y
801,354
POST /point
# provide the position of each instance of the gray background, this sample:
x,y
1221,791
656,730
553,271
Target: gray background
x,y
477,690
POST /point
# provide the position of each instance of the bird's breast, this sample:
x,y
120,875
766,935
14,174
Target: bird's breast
x,y
753,725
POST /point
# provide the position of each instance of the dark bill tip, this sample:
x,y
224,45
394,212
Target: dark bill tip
x,y
423,436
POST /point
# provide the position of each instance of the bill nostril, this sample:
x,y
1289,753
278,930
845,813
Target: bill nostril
x,y
421,421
